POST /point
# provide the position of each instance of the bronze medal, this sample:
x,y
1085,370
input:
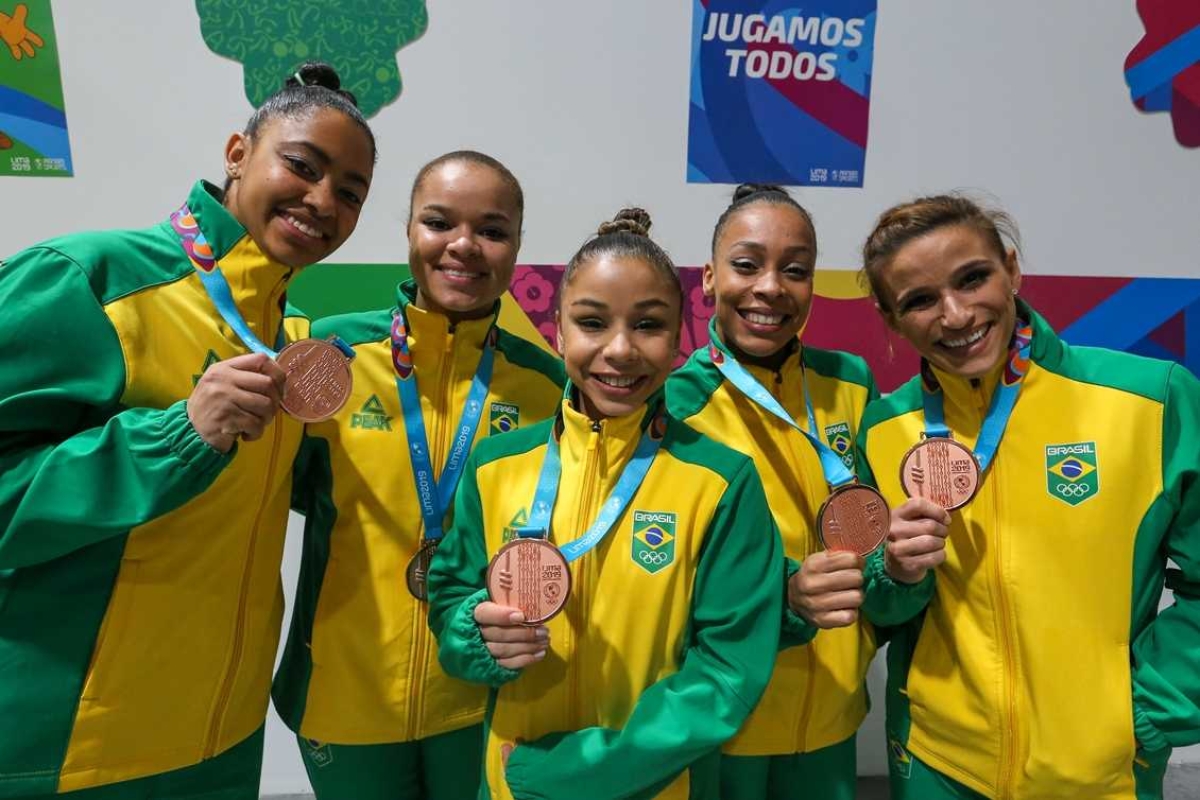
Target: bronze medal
x,y
417,572
318,379
532,576
855,518
942,470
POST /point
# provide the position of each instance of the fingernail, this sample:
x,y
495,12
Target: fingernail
x,y
516,618
539,655
543,634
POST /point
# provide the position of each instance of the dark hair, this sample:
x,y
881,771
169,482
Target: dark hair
x,y
469,157
752,193
905,222
314,85
626,235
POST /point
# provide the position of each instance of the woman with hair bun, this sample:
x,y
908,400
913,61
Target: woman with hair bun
x,y
1039,490
359,682
794,409
609,571
147,469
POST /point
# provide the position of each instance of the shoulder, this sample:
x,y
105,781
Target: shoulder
x,y
513,443
690,446
839,365
527,355
690,388
1112,369
904,400
359,327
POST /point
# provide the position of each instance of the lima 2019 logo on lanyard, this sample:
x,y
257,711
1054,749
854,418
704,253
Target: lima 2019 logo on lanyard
x,y
1072,472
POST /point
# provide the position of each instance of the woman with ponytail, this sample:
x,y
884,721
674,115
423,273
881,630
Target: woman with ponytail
x,y
613,576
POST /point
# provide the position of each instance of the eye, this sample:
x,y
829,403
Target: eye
x,y
650,324
915,302
301,167
351,197
798,271
435,223
495,234
743,265
975,277
589,323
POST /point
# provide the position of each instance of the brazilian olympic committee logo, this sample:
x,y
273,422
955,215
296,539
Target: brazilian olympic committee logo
x,y
653,540
838,436
504,417
1072,472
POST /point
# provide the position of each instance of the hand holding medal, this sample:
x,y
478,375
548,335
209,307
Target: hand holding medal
x,y
236,398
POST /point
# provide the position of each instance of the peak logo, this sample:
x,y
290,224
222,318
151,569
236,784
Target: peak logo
x,y
372,416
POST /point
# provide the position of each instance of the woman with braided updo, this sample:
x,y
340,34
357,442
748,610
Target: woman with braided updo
x,y
654,543
758,389
147,471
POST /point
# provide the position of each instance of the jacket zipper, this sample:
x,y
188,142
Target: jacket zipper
x,y
239,632
583,518
421,634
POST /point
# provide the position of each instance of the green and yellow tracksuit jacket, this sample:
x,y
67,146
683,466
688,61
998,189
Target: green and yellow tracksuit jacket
x,y
666,642
360,665
140,598
817,696
1041,659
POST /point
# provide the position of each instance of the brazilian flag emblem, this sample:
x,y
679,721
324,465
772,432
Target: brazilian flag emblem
x,y
504,417
653,540
1072,472
839,439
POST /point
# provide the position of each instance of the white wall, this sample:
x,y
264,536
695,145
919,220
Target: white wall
x,y
587,103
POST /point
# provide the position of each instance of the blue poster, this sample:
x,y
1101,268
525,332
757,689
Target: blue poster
x,y
781,93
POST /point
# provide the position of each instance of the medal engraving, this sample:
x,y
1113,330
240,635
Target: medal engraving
x,y
854,518
530,575
318,379
942,470
417,572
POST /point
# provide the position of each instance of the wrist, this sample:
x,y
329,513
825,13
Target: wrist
x,y
901,575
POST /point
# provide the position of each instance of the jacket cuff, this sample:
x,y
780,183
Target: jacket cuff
x,y
875,573
796,630
1148,736
463,628
186,443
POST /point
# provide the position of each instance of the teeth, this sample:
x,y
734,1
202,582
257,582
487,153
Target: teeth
x,y
764,319
974,337
458,273
303,228
619,381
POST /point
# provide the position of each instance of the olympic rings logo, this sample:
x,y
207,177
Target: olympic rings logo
x,y
653,557
1073,489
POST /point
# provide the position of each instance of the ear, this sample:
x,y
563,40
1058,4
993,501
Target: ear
x,y
1013,268
558,340
708,280
237,149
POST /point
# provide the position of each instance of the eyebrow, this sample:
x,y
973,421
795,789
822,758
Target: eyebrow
x,y
649,302
490,216
325,160
760,246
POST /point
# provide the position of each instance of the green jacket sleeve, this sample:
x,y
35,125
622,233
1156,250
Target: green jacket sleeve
x,y
1166,681
887,601
796,629
457,584
77,467
733,636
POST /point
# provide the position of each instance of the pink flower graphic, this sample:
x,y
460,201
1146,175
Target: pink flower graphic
x,y
532,290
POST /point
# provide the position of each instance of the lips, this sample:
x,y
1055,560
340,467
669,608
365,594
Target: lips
x,y
303,226
963,342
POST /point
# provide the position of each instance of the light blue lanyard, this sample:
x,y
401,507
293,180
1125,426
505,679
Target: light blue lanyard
x,y
435,496
627,486
1004,398
836,472
200,253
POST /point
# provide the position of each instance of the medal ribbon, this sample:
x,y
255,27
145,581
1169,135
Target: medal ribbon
x,y
200,253
627,485
1004,398
435,495
836,472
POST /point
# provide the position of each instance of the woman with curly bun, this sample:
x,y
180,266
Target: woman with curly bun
x,y
1039,490
359,682
794,409
612,575
147,467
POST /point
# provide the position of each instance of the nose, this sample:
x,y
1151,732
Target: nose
x,y
320,198
463,245
620,348
768,284
955,313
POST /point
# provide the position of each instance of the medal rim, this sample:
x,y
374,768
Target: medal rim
x,y
825,506
348,383
951,440
545,543
411,568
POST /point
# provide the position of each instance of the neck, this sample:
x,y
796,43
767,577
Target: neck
x,y
772,361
